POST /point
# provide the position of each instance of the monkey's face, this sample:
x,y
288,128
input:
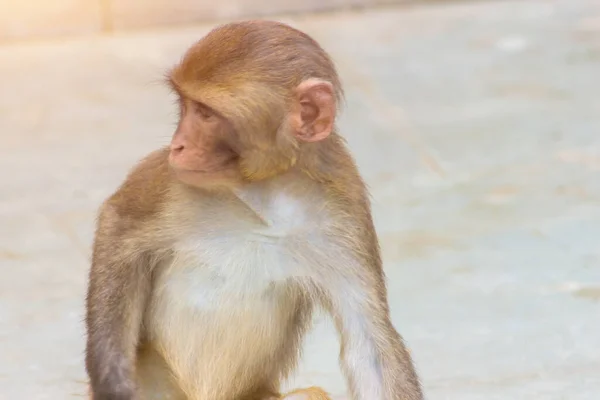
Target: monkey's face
x,y
204,149
234,129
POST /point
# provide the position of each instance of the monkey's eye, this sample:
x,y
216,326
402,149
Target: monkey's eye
x,y
203,111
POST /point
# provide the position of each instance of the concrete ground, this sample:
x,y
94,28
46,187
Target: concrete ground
x,y
477,126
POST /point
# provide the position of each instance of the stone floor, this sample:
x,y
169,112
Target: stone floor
x,y
476,124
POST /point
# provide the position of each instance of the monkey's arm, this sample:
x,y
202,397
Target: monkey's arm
x,y
118,290
374,358
120,277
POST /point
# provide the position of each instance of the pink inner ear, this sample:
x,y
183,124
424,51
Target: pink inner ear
x,y
308,111
315,112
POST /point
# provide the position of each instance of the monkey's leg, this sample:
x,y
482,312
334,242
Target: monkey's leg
x,y
311,393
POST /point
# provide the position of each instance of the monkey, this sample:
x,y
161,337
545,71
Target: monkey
x,y
211,256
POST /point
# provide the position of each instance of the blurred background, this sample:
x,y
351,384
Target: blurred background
x,y
475,123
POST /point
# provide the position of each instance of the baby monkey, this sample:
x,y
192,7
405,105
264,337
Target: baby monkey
x,y
210,257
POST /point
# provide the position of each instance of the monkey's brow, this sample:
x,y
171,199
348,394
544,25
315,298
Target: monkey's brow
x,y
179,91
174,86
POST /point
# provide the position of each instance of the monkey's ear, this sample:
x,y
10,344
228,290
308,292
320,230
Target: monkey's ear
x,y
313,114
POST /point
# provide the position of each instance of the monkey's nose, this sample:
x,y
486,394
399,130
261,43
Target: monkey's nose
x,y
176,148
176,153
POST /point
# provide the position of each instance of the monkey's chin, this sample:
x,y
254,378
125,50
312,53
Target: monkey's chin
x,y
209,179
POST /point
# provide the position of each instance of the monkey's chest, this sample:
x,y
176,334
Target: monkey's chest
x,y
237,262
226,300
206,299
215,273
223,306
264,241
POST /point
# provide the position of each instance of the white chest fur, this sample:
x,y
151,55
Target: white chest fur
x,y
255,242
223,289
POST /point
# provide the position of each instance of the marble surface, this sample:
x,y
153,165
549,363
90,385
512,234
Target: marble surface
x,y
476,125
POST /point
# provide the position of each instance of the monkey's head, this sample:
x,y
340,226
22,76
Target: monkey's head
x,y
252,96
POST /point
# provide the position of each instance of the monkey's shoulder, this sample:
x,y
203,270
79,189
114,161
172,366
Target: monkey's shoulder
x,y
132,211
143,191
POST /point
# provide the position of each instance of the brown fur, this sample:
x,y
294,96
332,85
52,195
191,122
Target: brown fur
x,y
247,72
